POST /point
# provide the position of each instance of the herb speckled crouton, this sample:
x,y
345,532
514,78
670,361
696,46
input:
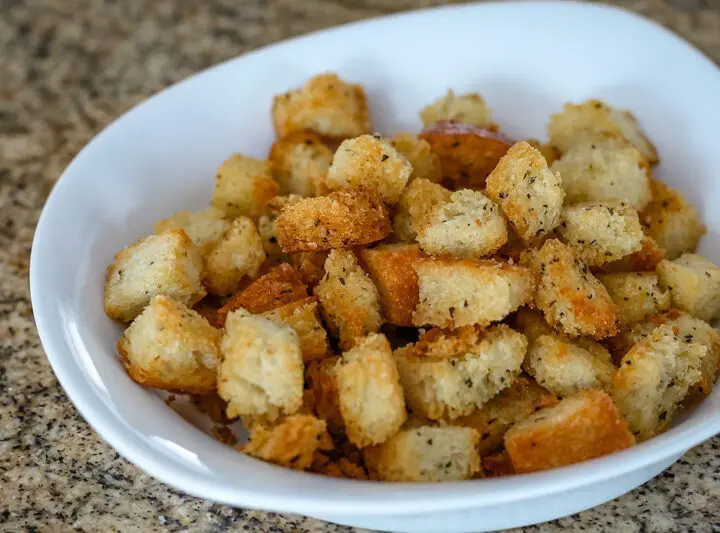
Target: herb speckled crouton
x,y
203,227
417,204
425,163
243,186
267,224
468,108
303,317
310,266
299,162
645,259
694,284
530,194
636,295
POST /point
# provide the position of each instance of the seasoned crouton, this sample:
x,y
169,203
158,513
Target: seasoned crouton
x,y
167,263
261,368
636,295
607,169
299,163
417,204
645,259
237,254
581,427
654,377
425,163
348,298
468,108
204,228
460,292
469,225
267,224
531,323
171,347
369,392
391,268
593,120
326,105
370,161
339,220
601,232
303,317
426,453
498,464
243,186
321,388
694,284
310,266
530,194
450,374
569,296
548,151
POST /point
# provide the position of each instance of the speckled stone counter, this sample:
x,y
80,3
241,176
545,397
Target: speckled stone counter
x,y
68,67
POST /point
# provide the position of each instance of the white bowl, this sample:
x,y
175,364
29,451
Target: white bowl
x,y
526,59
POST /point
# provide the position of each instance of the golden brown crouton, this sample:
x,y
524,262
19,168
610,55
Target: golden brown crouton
x,y
299,163
321,390
468,108
326,105
372,162
348,299
450,374
601,232
339,220
498,465
460,292
310,266
369,392
303,317
267,224
424,161
530,194
548,151
171,347
694,284
581,427
426,453
636,295
167,263
645,259
243,186
203,227
672,221
569,296
417,204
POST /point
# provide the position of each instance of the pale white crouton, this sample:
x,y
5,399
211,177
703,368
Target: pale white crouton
x,y
299,163
694,284
243,186
424,161
468,108
637,295
304,318
417,203
203,227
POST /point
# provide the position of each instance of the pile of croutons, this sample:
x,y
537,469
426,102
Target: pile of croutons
x,y
431,307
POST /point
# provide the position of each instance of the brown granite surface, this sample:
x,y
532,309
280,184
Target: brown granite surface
x,y
67,67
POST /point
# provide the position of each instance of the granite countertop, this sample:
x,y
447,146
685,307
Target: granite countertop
x,y
69,67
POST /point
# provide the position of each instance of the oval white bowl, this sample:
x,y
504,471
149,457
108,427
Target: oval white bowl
x,y
526,59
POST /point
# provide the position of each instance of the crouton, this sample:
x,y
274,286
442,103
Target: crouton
x,y
426,453
450,374
370,161
326,105
303,317
645,259
261,368
548,151
469,225
636,295
672,221
456,292
369,392
417,204
299,163
513,249
237,254
167,263
569,296
322,393
468,108
310,266
694,285
267,224
425,163
607,169
243,186
581,427
530,194
601,232
594,119
204,228
171,347
391,268
654,377
208,309
531,323
348,298
339,220
498,465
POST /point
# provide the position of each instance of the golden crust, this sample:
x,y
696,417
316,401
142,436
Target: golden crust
x,y
310,266
646,259
322,394
303,317
243,186
424,161
498,465
299,162
468,108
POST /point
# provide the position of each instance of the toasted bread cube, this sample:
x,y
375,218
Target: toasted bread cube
x,y
468,108
417,203
581,427
205,228
326,105
672,221
321,391
370,161
456,293
498,465
548,151
299,162
425,163
348,298
171,347
243,186
645,259
469,225
303,317
530,194
167,263
339,220
369,392
594,119
426,453
450,374
391,268
694,284
569,296
310,266
261,369
601,232
607,169
267,224
654,377
637,295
